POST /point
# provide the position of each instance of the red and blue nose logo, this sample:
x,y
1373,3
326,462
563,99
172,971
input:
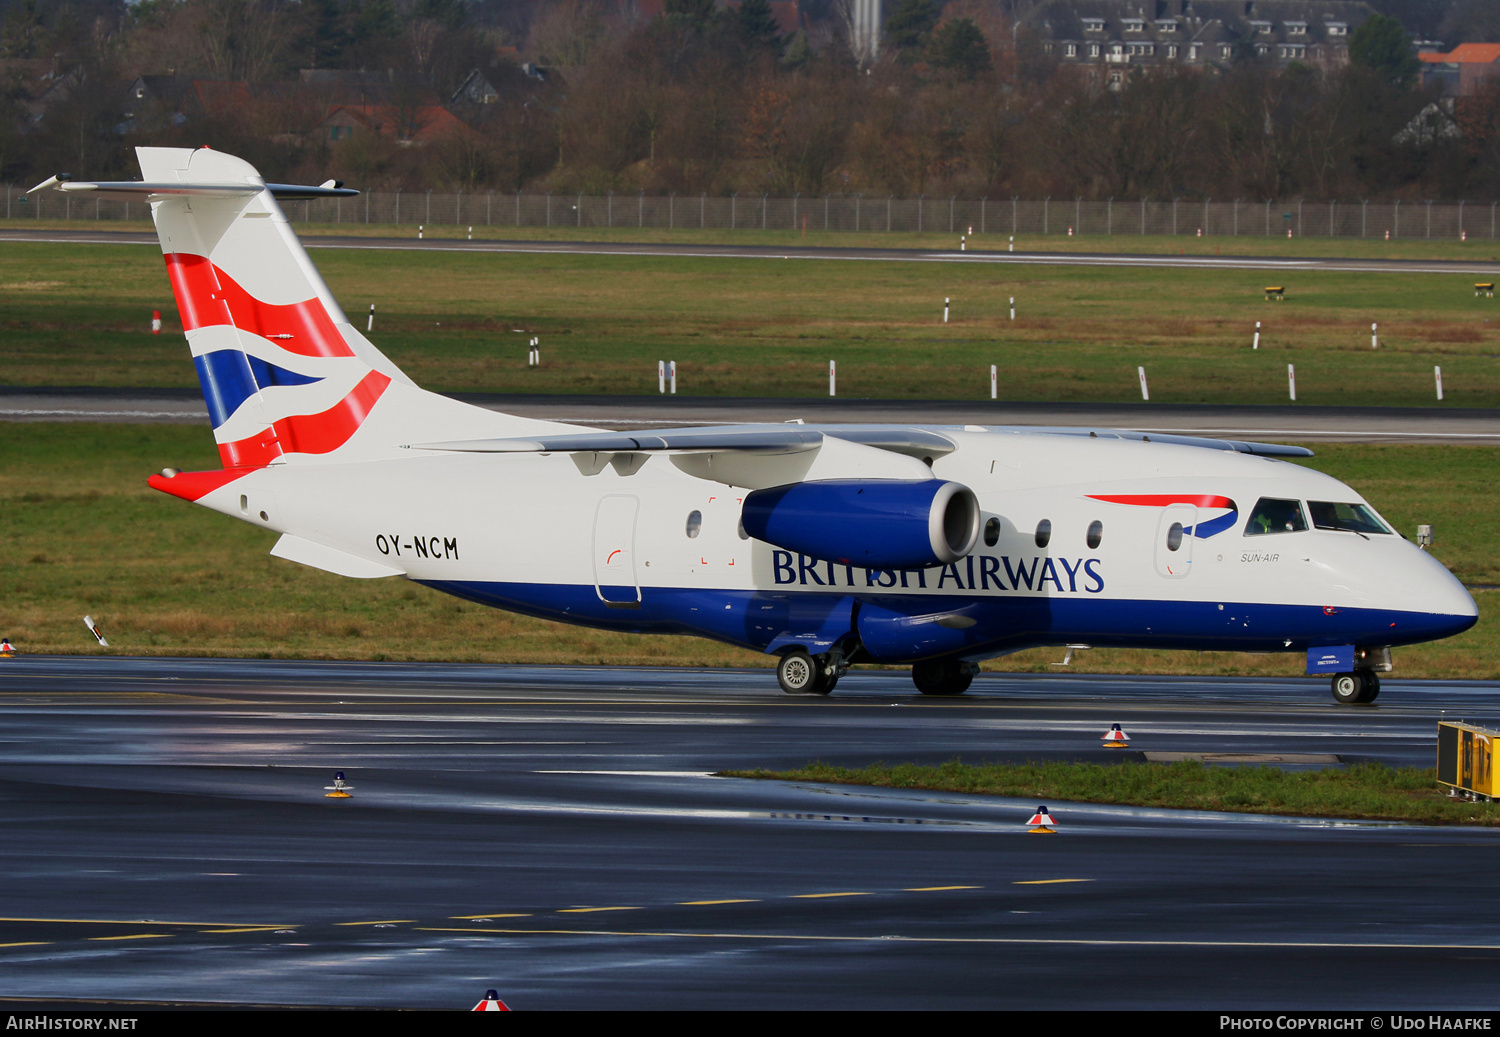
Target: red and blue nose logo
x,y
1204,501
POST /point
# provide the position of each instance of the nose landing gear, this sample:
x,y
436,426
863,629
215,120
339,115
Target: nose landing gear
x,y
802,674
1357,688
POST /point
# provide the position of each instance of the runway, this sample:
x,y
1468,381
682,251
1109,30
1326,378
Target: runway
x,y
556,833
1479,426
1268,264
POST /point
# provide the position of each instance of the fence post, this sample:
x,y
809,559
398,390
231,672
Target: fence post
x,y
1174,217
1206,228
640,210
703,210
795,195
518,207
1331,206
1109,216
920,199
888,212
671,210
549,208
859,197
429,208
458,207
734,198
1143,217
825,212
1299,217
1268,217
398,206
1364,215
763,196
950,213
578,205
1046,205
1015,201
1236,217
489,205
1460,219
1429,217
609,209
1396,220
982,203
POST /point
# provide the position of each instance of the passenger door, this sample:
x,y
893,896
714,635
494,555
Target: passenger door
x,y
614,551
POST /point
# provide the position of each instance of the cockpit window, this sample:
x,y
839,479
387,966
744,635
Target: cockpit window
x,y
1272,515
1354,518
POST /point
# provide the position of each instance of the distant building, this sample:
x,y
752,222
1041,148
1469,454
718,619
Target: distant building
x,y
171,100
1112,36
1463,70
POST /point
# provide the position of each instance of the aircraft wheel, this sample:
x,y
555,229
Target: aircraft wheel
x,y
1356,688
799,674
942,676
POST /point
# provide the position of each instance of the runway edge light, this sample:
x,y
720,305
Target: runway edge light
x,y
1115,738
1042,821
338,790
7,650
491,1003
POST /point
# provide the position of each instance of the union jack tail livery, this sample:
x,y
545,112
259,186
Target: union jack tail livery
x,y
286,376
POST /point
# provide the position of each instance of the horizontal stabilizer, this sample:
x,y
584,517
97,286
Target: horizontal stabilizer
x,y
131,190
331,559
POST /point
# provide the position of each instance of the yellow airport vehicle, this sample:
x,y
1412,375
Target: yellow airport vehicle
x,y
1465,759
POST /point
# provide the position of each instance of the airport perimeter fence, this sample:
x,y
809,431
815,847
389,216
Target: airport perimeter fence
x,y
850,213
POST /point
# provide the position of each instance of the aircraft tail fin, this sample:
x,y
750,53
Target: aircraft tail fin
x,y
286,376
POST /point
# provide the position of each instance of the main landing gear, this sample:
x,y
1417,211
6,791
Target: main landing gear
x,y
1356,688
943,676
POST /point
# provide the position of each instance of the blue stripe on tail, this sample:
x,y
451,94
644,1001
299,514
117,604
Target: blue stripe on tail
x,y
229,377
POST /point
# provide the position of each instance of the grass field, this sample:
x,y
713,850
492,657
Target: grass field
x,y
79,315
1363,791
80,532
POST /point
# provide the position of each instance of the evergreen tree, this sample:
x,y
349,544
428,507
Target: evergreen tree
x,y
911,23
758,28
1382,45
960,45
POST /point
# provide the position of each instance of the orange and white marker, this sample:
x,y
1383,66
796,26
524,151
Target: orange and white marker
x,y
7,650
1114,738
1042,821
156,322
89,622
338,790
491,1003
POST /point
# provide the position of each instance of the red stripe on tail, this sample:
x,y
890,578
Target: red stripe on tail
x,y
207,296
309,433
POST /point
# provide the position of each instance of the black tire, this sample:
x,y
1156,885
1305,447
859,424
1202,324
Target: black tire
x,y
1357,688
800,674
942,677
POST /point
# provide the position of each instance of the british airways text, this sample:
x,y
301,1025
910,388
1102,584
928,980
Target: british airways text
x,y
974,573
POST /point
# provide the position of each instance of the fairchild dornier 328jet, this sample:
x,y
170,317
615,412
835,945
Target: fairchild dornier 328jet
x,y
825,546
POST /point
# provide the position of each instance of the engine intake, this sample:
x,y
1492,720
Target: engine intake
x,y
875,524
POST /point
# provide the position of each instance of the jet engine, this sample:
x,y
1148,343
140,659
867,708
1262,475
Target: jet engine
x,y
872,523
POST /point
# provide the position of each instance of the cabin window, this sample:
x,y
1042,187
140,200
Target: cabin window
x,y
1273,515
1352,518
1096,534
1174,537
694,524
1043,532
992,532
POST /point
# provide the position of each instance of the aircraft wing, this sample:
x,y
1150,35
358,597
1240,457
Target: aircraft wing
x,y
763,439
912,440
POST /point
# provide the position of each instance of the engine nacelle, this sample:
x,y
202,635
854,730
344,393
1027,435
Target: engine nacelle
x,y
872,523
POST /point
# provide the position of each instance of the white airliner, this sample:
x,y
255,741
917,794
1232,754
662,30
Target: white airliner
x,y
825,545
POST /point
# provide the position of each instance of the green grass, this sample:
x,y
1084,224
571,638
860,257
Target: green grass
x,y
79,315
80,532
1367,791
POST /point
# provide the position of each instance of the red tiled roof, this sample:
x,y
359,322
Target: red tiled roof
x,y
1474,54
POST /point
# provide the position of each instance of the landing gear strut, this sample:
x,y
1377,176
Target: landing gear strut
x,y
1356,688
943,676
803,674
